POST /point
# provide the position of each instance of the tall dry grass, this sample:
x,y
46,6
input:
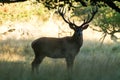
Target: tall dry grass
x,y
94,62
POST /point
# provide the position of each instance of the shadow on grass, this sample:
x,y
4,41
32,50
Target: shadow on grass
x,y
94,62
14,71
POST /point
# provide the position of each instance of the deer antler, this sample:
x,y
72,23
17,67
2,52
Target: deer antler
x,y
62,12
85,24
89,19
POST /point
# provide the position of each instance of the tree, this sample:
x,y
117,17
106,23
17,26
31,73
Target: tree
x,y
108,23
54,3
11,1
109,13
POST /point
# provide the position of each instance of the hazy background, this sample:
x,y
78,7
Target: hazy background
x,y
21,23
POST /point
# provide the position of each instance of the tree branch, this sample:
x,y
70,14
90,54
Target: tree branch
x,y
113,5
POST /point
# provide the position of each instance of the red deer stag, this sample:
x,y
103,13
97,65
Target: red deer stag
x,y
66,47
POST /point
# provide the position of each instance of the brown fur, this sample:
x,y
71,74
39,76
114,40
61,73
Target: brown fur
x,y
67,47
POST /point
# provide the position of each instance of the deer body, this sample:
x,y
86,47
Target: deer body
x,y
58,47
66,47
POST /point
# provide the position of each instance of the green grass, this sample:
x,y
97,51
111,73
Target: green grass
x,y
94,62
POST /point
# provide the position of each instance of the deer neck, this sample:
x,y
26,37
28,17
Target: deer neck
x,y
78,38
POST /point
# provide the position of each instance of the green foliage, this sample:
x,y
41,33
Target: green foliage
x,y
108,22
53,4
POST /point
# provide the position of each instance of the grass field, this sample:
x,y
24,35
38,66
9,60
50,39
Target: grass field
x,y
94,62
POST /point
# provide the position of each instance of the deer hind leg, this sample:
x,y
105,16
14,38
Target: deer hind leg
x,y
36,62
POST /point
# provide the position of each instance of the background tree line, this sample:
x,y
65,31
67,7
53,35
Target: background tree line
x,y
107,19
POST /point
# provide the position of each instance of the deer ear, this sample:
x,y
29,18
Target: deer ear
x,y
85,26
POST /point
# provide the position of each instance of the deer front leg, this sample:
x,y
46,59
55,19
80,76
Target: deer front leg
x,y
70,62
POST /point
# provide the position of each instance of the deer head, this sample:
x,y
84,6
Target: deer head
x,y
78,29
